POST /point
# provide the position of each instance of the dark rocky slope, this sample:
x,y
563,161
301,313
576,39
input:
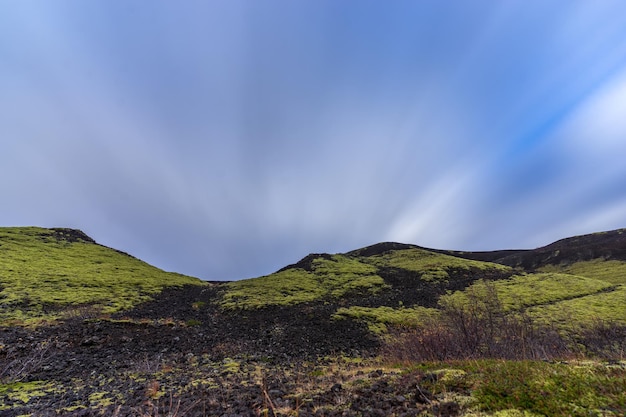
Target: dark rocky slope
x,y
609,245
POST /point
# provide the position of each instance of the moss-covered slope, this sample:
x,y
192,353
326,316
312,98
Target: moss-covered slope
x,y
387,274
50,273
580,279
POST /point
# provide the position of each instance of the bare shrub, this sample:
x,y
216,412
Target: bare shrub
x,y
16,368
475,325
169,408
430,342
148,364
604,339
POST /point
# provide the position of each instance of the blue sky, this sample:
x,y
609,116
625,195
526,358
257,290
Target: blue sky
x,y
226,139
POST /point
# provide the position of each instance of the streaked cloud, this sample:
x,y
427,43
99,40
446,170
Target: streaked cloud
x,y
227,139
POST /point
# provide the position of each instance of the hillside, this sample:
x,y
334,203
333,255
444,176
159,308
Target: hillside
x,y
610,245
49,274
574,280
597,260
387,274
89,330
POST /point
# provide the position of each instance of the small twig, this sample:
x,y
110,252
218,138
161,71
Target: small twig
x,y
423,395
267,397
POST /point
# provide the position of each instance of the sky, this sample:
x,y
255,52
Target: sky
x,y
225,139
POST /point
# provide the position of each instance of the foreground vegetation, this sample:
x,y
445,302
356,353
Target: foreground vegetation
x,y
527,388
340,387
48,274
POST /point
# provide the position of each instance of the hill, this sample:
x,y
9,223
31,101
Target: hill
x,y
610,245
49,274
387,274
89,330
572,281
598,258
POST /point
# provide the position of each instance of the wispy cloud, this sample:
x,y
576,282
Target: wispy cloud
x,y
227,139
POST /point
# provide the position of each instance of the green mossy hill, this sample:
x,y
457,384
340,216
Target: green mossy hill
x,y
587,285
531,290
326,276
562,300
386,273
46,274
613,271
559,300
428,264
606,305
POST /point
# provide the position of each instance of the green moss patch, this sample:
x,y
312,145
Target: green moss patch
x,y
24,392
545,288
552,389
530,388
433,266
378,318
553,298
329,277
46,274
335,276
612,271
607,306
